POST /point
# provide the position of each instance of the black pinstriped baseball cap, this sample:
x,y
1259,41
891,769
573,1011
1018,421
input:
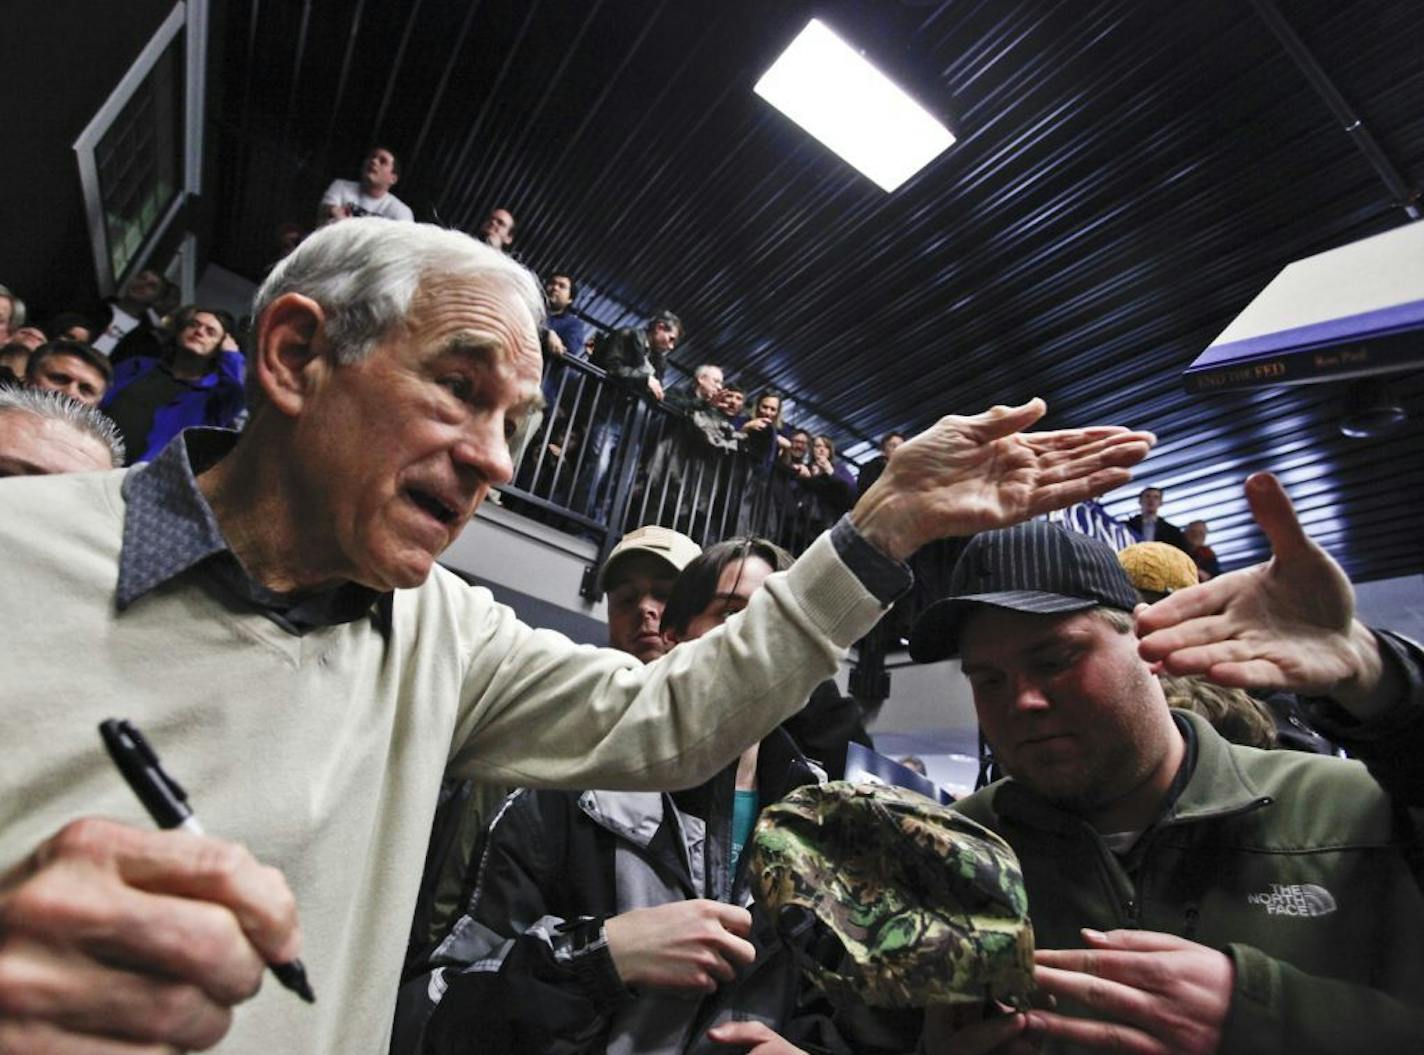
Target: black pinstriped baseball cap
x,y
1035,567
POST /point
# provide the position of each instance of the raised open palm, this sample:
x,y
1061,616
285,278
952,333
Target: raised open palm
x,y
969,474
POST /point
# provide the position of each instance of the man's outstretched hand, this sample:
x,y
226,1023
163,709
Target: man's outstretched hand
x,y
969,474
1287,624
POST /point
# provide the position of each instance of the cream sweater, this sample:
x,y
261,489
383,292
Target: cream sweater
x,y
323,753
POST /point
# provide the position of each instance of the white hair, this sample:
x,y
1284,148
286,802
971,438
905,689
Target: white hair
x,y
365,274
56,406
705,369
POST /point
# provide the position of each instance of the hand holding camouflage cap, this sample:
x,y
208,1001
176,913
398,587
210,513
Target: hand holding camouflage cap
x,y
893,900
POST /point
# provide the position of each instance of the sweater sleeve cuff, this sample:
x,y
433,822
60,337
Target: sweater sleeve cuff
x,y
885,577
830,594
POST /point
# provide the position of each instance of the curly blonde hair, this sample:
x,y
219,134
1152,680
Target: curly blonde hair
x,y
1234,713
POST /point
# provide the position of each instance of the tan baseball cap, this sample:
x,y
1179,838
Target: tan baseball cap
x,y
672,546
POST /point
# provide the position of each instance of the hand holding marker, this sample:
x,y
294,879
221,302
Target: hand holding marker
x,y
167,803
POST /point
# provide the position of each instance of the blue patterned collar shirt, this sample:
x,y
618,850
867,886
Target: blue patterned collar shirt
x,y
170,530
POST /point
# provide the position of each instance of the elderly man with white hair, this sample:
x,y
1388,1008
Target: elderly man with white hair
x,y
267,608
44,432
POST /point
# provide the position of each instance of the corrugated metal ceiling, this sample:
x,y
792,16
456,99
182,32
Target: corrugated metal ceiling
x,y
1128,175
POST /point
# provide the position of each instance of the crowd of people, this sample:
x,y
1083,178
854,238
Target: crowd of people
x,y
150,375
479,836
156,367
802,485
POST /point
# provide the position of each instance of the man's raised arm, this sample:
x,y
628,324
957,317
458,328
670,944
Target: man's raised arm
x,y
962,475
1288,624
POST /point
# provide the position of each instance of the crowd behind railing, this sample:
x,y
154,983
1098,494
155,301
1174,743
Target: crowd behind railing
x,y
606,456
617,446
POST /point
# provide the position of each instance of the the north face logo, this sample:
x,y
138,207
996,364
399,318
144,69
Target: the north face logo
x,y
1296,899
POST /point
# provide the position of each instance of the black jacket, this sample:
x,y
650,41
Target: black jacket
x,y
1166,532
527,968
627,355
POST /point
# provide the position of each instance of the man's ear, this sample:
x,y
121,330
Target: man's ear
x,y
670,638
291,351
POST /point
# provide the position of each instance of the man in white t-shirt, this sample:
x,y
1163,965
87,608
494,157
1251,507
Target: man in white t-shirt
x,y
133,309
371,196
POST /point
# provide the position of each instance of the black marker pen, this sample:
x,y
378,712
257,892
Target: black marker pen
x,y
167,803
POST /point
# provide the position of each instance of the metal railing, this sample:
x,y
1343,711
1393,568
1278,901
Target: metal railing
x,y
605,458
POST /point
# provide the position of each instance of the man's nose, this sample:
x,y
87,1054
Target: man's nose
x,y
483,447
1028,695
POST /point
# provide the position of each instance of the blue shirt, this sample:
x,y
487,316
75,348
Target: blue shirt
x,y
572,330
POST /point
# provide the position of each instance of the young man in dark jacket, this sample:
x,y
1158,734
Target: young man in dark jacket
x,y
1187,894
634,359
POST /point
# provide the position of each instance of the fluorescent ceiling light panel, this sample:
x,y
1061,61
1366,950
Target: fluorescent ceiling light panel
x,y
830,90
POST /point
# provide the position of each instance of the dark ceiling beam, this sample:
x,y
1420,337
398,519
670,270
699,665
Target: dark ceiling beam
x,y
456,201
1406,197
378,125
279,188
353,30
510,169
455,53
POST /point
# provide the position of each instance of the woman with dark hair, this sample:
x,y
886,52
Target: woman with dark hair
x,y
829,478
831,486
195,381
763,438
762,433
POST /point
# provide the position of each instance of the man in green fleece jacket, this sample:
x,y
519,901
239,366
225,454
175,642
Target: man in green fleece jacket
x,y
1190,895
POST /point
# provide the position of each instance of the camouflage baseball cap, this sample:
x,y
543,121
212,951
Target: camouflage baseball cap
x,y
892,900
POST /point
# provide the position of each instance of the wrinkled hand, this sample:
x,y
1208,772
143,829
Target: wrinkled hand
x,y
656,388
969,474
1160,994
757,1037
140,936
1285,624
683,945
